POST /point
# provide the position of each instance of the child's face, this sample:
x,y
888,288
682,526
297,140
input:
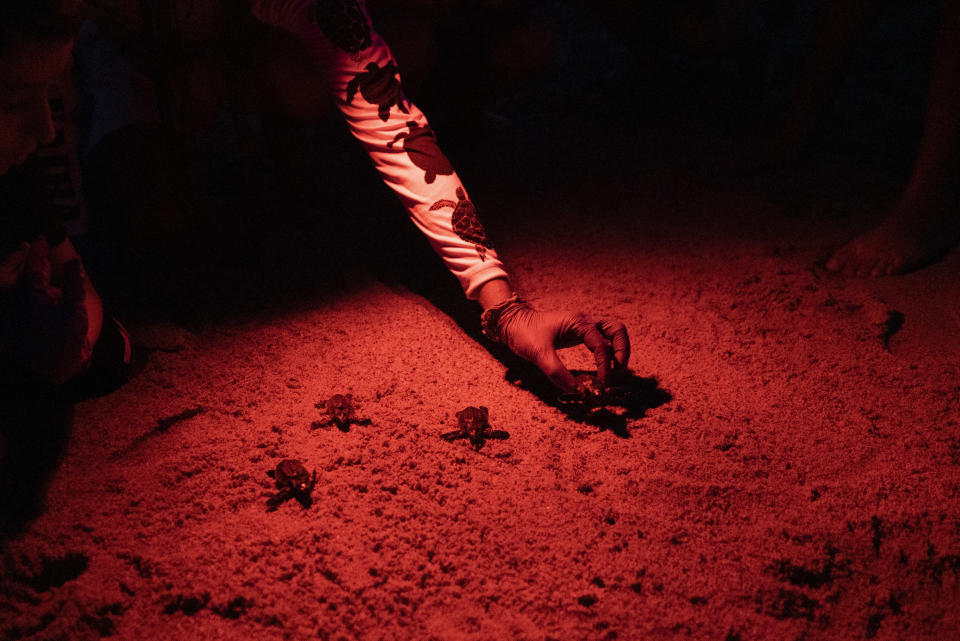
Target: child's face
x,y
28,69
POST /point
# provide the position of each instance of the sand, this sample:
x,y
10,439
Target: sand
x,y
793,473
789,469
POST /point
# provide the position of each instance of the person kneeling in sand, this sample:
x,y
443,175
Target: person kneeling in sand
x,y
55,344
52,329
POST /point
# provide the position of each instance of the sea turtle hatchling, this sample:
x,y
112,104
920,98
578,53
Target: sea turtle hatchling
x,y
292,481
591,394
339,410
473,423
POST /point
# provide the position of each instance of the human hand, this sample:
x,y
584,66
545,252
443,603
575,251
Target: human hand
x,y
12,266
44,326
535,336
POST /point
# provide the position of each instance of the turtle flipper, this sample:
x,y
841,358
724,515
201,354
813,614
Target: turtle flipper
x,y
321,424
400,136
352,87
452,436
277,499
304,499
499,435
442,203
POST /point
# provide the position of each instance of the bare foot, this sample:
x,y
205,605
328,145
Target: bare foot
x,y
906,239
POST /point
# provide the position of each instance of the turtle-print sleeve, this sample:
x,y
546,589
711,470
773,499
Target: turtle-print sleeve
x,y
363,76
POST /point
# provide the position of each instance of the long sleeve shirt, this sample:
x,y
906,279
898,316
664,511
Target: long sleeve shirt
x,y
362,74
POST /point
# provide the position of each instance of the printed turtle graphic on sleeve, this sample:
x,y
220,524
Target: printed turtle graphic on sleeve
x,y
420,143
379,86
465,223
399,141
344,22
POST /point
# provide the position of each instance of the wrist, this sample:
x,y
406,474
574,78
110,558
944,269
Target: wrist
x,y
492,320
493,292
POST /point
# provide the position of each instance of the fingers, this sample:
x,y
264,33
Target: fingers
x,y
616,332
609,342
536,336
12,266
550,364
38,258
602,351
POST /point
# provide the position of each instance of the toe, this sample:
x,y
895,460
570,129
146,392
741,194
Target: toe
x,y
837,261
896,266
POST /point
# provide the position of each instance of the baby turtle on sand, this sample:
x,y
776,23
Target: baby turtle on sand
x,y
473,423
591,394
292,481
340,410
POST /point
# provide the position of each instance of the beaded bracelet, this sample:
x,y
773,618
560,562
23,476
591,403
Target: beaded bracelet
x,y
490,319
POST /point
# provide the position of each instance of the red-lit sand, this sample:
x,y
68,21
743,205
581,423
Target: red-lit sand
x,y
800,481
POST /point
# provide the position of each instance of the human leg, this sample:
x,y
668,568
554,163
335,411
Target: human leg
x,y
924,222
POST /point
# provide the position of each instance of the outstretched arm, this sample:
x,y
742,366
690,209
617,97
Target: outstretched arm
x,y
363,76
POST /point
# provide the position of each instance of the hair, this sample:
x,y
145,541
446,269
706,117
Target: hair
x,y
44,20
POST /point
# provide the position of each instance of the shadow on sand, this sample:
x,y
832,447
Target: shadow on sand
x,y
629,400
34,429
